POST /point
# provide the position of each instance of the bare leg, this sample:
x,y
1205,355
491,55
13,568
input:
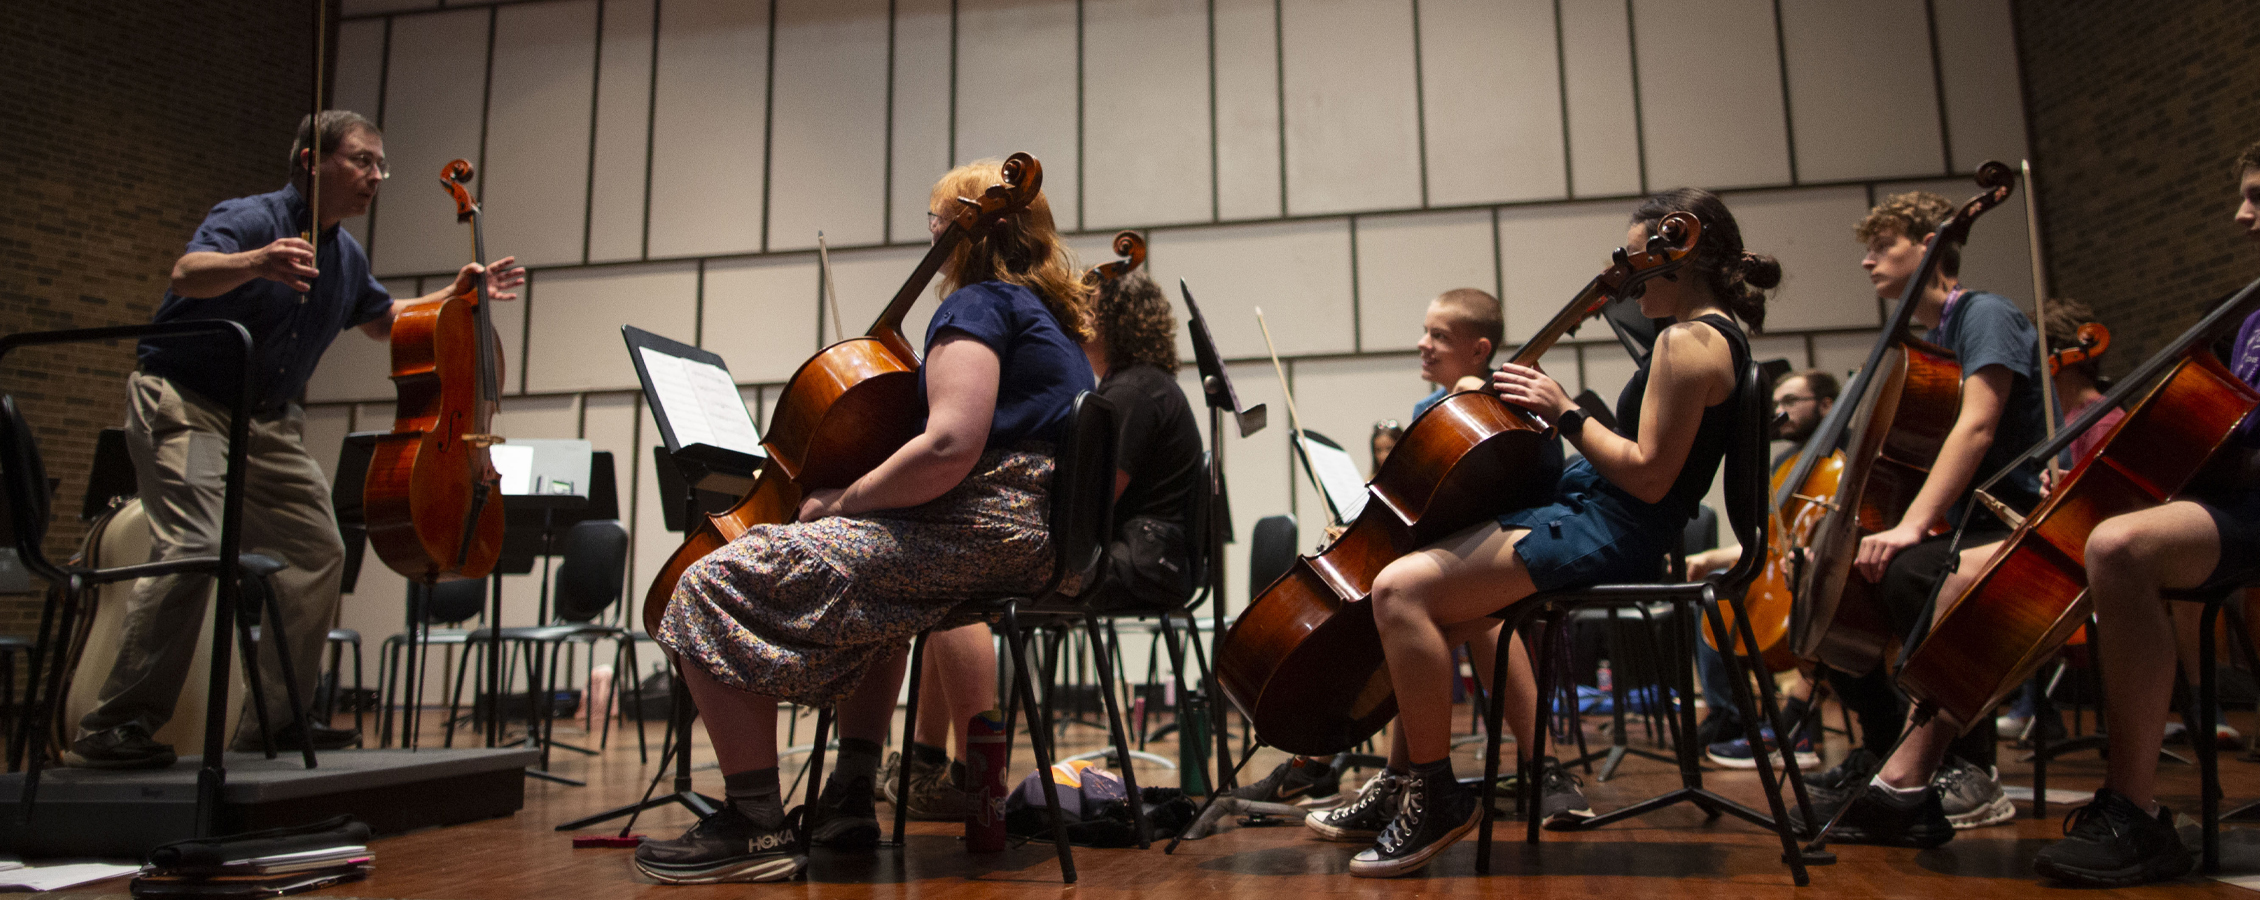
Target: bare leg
x,y
1417,601
963,664
934,710
869,712
742,725
1920,755
2130,558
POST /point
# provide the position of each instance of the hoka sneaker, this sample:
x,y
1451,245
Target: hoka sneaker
x,y
725,847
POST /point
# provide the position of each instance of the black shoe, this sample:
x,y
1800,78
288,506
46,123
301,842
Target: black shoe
x,y
123,747
2111,843
1831,787
1884,818
845,818
1436,813
1561,799
287,738
1305,781
726,846
1363,818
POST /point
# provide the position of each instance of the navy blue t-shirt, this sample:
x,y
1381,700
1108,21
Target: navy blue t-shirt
x,y
288,336
1041,369
1985,329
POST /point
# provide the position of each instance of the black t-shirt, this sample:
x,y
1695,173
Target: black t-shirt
x,y
1160,447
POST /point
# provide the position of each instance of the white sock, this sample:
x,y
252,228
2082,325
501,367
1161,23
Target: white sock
x,y
1897,792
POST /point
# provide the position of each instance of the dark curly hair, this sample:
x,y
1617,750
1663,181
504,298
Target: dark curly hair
x,y
1737,277
1133,320
1915,215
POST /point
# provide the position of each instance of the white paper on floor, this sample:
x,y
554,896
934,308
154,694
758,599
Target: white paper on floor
x,y
54,878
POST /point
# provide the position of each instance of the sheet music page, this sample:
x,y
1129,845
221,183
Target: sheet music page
x,y
515,463
1339,475
702,403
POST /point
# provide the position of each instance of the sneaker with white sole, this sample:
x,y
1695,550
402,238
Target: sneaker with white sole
x,y
1972,797
1306,781
726,847
1437,812
1363,818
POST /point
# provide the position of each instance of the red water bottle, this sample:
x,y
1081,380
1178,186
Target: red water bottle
x,y
985,767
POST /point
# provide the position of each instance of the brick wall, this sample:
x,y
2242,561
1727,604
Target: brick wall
x,y
2136,111
125,122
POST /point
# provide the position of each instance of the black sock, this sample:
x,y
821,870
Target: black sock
x,y
1437,772
756,795
957,775
858,758
928,755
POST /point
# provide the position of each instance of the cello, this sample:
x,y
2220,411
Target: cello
x,y
433,498
849,407
1131,247
1899,410
2032,594
1303,663
1797,511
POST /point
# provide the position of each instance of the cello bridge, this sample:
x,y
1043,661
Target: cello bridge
x,y
484,440
1827,503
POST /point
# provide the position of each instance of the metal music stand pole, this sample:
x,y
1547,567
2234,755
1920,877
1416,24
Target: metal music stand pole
x,y
1216,388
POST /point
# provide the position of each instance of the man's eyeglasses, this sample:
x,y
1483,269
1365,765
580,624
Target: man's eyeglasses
x,y
367,162
1793,400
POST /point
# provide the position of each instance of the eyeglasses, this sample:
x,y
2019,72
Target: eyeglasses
x,y
1793,400
933,219
369,162
1387,426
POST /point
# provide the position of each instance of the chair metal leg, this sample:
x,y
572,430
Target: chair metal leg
x,y
1103,661
1039,739
298,706
909,735
2208,750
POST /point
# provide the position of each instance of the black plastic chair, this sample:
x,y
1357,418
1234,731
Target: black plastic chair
x,y
2208,705
403,661
243,591
1747,501
1081,521
588,583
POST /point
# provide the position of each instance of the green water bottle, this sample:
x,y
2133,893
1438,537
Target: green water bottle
x,y
1192,744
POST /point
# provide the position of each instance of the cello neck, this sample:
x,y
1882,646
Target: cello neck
x,y
888,327
1587,302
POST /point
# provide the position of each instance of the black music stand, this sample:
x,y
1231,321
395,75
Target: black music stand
x,y
712,444
1216,388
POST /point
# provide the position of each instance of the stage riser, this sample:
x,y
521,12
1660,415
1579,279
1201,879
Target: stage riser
x,y
125,814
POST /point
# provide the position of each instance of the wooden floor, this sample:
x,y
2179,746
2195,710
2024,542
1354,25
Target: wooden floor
x,y
1674,853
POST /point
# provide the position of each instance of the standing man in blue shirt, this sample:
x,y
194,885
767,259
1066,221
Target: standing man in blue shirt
x,y
247,263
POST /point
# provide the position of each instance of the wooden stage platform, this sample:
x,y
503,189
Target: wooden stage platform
x,y
1674,853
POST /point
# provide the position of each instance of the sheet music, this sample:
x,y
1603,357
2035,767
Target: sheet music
x,y
515,463
1338,474
702,403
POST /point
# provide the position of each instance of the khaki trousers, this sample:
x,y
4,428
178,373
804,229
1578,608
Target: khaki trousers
x,y
179,443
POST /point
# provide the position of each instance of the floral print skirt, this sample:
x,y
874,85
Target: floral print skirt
x,y
800,611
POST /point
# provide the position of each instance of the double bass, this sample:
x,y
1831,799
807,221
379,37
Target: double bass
x,y
1303,663
850,406
1899,410
1797,511
433,498
2032,594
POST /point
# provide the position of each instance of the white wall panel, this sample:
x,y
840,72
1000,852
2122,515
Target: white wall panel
x,y
1977,47
1810,232
575,332
1710,93
868,279
920,145
608,423
1604,123
432,107
1789,347
1603,367
1404,261
547,417
623,129
357,84
357,368
1842,354
1016,91
1299,272
1849,118
1247,109
537,159
1353,131
760,315
829,136
1341,399
1146,112
707,127
1491,85
1547,254
1998,257
1256,474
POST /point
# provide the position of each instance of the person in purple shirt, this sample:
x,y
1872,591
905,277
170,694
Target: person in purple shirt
x,y
247,264
2200,540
